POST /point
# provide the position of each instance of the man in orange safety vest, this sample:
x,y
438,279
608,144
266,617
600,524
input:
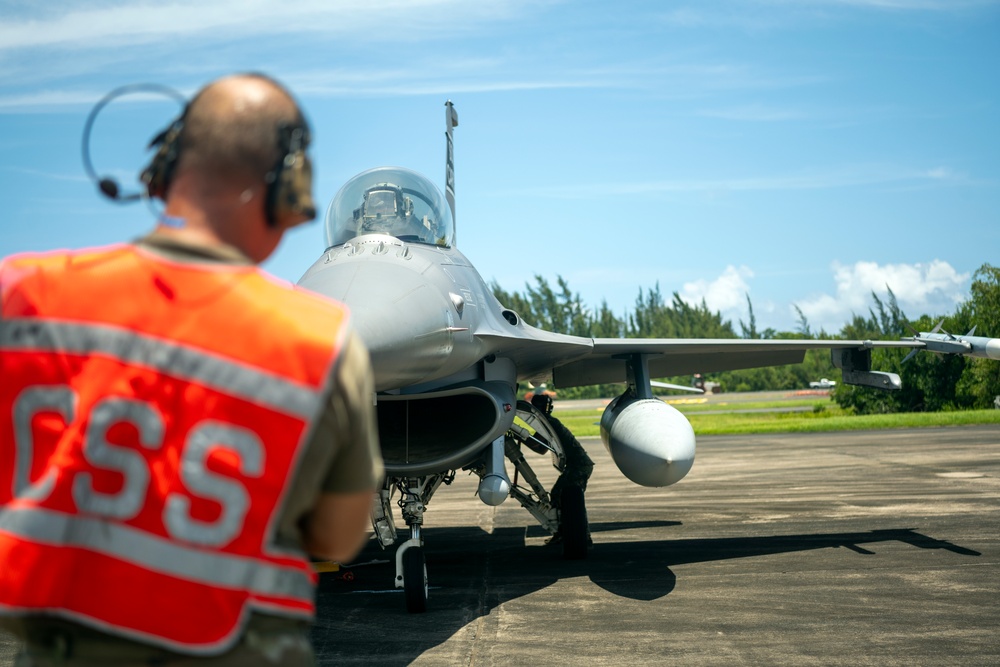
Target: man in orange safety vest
x,y
177,428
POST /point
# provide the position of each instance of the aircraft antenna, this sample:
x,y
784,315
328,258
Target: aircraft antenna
x,y
451,121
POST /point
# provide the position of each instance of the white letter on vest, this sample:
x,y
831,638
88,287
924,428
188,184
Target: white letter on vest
x,y
128,502
204,483
30,402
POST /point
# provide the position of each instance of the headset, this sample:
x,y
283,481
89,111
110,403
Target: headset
x,y
107,185
289,182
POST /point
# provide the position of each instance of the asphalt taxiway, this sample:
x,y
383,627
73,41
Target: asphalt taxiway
x,y
863,548
859,548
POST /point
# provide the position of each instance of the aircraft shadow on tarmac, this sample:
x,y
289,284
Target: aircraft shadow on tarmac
x,y
471,573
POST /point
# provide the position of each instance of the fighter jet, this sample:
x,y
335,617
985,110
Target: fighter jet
x,y
448,360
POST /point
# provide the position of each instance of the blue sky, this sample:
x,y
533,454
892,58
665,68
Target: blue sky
x,y
804,152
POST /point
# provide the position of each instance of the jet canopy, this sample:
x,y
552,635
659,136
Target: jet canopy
x,y
390,200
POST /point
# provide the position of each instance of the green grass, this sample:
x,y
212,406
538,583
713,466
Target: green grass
x,y
809,402
808,422
825,416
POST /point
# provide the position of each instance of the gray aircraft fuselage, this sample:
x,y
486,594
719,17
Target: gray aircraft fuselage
x,y
446,355
416,306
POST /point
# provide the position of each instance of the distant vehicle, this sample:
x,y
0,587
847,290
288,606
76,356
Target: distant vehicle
x,y
705,386
822,384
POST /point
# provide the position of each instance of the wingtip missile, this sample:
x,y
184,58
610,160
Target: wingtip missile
x,y
981,347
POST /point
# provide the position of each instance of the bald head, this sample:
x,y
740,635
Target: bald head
x,y
227,187
231,129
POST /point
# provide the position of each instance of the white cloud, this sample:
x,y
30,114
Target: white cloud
x,y
44,174
47,99
371,82
117,23
83,24
934,288
755,113
910,5
944,174
846,176
726,294
769,15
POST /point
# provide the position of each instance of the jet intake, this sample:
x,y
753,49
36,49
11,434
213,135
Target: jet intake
x,y
426,433
651,442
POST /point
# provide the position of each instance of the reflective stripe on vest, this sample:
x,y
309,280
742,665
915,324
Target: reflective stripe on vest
x,y
155,553
158,412
32,335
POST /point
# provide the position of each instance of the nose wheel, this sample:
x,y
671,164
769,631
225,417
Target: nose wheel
x,y
411,565
415,580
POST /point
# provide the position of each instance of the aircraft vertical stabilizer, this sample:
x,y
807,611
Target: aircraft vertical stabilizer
x,y
451,121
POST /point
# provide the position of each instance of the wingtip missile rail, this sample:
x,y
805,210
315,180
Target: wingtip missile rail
x,y
940,341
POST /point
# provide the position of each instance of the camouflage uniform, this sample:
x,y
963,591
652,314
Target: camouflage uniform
x,y
578,464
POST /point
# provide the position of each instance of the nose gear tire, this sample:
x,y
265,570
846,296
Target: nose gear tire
x,y
415,580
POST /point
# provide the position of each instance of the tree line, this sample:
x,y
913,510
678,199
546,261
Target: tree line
x,y
931,382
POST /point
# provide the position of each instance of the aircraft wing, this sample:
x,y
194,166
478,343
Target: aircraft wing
x,y
572,361
685,356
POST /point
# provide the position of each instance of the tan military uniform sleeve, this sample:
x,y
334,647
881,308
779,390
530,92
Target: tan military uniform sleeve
x,y
342,455
350,423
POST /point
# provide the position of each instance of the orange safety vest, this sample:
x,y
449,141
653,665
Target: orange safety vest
x,y
152,416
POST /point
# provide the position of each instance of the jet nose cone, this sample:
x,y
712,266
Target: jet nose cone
x,y
404,319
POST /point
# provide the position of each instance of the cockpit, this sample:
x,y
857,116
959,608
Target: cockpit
x,y
390,200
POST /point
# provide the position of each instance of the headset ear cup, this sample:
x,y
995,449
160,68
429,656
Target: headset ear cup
x,y
160,170
290,194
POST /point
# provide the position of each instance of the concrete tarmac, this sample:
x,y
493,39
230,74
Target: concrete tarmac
x,y
859,548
